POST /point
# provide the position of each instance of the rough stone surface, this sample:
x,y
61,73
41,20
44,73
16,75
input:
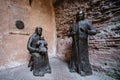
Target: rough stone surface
x,y
59,72
104,47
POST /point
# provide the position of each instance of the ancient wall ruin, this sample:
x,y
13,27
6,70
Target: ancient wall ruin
x,y
104,48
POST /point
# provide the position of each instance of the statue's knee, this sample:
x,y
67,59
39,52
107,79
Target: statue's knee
x,y
35,55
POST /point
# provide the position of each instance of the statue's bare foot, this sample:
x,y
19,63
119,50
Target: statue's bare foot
x,y
35,73
72,70
82,73
41,74
48,70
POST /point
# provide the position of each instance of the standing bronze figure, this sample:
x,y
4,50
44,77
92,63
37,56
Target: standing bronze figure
x,y
37,47
79,32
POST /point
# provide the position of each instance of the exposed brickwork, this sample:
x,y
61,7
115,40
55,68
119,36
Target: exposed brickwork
x,y
104,47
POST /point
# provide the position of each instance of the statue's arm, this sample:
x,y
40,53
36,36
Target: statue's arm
x,y
46,45
71,32
91,29
29,47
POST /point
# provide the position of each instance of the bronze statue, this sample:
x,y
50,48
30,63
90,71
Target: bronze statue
x,y
79,31
37,47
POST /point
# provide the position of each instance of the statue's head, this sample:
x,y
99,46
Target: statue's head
x,y
42,38
80,16
38,30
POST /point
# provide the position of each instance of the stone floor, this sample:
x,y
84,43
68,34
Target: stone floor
x,y
59,72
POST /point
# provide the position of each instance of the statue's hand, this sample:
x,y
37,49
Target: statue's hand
x,y
92,32
43,53
35,54
36,50
83,29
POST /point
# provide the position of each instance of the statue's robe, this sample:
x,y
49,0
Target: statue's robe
x,y
38,63
79,61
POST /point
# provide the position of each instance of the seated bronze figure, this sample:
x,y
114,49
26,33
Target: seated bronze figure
x,y
37,47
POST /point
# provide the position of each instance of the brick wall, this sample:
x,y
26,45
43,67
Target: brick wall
x,y
104,48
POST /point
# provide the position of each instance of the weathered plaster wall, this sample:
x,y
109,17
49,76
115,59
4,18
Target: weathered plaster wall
x,y
13,51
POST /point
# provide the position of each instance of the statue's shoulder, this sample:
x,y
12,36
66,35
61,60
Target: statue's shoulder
x,y
88,21
33,35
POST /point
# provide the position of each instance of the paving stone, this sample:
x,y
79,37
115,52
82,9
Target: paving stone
x,y
60,71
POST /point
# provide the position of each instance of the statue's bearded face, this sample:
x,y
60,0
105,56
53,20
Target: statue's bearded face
x,y
39,31
80,15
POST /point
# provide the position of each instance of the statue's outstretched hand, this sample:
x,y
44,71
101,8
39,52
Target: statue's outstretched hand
x,y
83,30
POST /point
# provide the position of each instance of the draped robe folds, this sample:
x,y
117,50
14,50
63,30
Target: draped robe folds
x,y
39,63
79,61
